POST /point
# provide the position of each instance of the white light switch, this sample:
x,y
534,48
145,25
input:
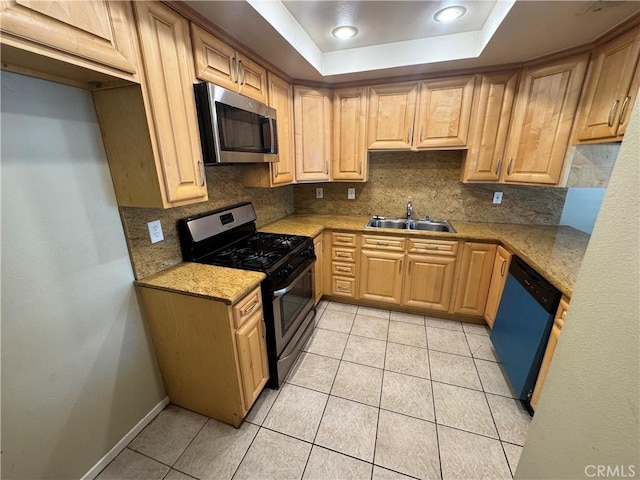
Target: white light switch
x,y
351,193
155,231
497,197
319,192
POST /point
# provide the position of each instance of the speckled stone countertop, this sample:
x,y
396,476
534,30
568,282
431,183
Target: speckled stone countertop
x,y
553,251
227,285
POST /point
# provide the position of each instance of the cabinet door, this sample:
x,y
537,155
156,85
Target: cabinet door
x,y
312,120
542,119
252,357
381,276
558,323
429,281
476,266
610,94
166,51
281,98
349,160
489,127
498,279
95,34
215,61
392,111
252,78
444,113
318,269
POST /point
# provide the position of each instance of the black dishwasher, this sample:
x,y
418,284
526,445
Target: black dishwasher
x,y
522,326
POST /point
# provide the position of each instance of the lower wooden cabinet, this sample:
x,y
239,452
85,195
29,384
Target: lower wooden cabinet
x,y
558,323
476,266
343,264
381,274
318,269
429,281
498,279
212,356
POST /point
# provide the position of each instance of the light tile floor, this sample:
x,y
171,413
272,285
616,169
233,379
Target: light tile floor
x,y
375,395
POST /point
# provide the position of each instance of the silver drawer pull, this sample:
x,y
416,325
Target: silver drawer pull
x,y
343,269
342,254
382,243
250,308
611,112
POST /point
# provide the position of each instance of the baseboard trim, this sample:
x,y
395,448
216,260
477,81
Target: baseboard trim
x,y
118,447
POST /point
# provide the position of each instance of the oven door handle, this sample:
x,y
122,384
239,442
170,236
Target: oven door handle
x,y
287,289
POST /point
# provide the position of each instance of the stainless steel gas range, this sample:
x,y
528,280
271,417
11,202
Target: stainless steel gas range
x,y
229,238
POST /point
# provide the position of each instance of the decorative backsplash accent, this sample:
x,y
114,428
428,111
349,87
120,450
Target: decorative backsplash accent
x,y
224,183
431,180
591,165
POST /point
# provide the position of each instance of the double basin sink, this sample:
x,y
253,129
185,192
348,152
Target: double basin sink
x,y
406,224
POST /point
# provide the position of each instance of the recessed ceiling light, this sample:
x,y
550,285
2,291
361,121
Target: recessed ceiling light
x,y
344,31
449,14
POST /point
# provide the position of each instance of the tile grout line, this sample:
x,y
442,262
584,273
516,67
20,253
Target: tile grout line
x,y
384,363
433,399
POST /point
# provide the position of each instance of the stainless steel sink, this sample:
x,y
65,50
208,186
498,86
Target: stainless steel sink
x,y
404,224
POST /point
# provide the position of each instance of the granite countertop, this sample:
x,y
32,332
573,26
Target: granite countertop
x,y
227,285
553,251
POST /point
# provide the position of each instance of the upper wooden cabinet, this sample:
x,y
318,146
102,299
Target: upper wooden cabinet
x,y
98,36
498,279
444,112
492,109
443,108
218,63
476,267
282,172
150,131
392,111
349,159
542,120
611,89
312,126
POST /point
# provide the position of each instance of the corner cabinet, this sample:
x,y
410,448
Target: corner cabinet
x,y
542,120
150,131
612,86
98,36
349,161
476,267
212,356
312,127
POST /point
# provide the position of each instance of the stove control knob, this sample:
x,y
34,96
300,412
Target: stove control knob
x,y
286,270
307,253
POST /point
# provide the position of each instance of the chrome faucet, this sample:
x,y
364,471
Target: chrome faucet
x,y
409,209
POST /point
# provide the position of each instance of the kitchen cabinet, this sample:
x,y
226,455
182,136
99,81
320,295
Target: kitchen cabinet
x,y
344,255
558,323
282,172
212,356
443,108
318,269
543,115
83,38
431,267
498,279
492,109
476,267
150,131
381,268
312,128
349,161
611,89
218,63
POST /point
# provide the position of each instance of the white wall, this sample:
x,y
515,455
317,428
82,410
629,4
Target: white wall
x,y
78,370
588,420
581,208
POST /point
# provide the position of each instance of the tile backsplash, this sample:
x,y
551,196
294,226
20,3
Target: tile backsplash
x,y
224,183
432,180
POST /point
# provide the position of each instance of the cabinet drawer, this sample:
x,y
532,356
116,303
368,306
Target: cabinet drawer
x,y
383,243
343,269
343,239
246,307
343,254
345,287
427,245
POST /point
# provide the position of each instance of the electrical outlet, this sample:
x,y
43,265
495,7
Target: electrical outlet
x,y
155,231
319,192
351,193
497,197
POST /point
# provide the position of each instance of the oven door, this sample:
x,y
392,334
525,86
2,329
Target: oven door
x,y
291,306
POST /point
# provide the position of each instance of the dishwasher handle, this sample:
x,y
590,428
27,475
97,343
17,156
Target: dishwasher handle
x,y
545,294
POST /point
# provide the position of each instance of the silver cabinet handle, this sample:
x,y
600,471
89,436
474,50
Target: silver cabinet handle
x,y
499,165
625,102
409,268
504,262
326,167
250,308
421,132
400,267
244,73
360,168
509,167
409,135
275,167
611,112
236,66
202,172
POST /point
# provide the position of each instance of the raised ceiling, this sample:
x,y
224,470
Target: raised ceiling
x,y
401,38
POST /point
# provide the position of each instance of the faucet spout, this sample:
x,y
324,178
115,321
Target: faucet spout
x,y
409,209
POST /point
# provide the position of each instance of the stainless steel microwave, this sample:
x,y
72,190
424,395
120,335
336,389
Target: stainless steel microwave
x,y
234,128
